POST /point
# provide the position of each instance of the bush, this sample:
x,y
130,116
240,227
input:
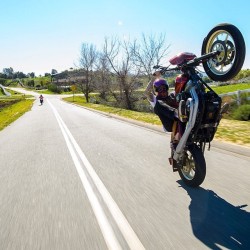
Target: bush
x,y
3,81
31,83
54,88
242,113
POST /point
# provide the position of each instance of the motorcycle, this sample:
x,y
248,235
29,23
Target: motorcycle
x,y
199,107
41,100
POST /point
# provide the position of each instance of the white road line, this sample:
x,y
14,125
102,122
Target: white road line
x,y
125,228
105,226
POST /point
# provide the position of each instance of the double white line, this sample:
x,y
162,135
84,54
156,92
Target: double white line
x,y
107,231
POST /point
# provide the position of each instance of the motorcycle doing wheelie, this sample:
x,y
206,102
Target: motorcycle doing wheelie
x,y
199,107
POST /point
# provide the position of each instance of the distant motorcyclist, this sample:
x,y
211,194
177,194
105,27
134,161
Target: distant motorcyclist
x,y
41,99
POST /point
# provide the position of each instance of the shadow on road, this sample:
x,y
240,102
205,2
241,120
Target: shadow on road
x,y
216,221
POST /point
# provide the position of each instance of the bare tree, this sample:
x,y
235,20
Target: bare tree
x,y
119,67
120,58
103,76
87,61
149,52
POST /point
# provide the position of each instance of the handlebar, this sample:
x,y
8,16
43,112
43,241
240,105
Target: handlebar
x,y
195,62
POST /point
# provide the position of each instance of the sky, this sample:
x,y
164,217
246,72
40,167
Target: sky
x,y
41,35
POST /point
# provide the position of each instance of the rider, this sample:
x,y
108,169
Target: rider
x,y
164,104
41,99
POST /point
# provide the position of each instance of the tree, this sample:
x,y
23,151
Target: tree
x,y
103,76
120,58
31,75
3,81
87,62
53,71
8,72
149,52
31,83
2,75
19,75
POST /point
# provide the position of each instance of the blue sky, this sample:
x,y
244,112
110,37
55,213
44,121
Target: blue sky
x,y
40,35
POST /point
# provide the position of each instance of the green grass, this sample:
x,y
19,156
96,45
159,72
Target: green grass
x,y
234,131
229,130
231,88
46,91
15,95
14,111
43,91
139,116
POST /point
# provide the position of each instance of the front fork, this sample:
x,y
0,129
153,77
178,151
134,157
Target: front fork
x,y
175,137
179,140
193,104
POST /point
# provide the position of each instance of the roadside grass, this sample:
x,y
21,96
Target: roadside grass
x,y
135,115
14,111
232,131
43,91
49,92
230,88
15,95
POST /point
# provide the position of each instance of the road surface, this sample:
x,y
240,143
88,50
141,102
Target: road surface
x,y
75,179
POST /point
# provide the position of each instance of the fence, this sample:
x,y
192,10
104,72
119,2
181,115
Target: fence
x,y
238,95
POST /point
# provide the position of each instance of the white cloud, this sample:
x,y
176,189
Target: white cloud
x,y
120,23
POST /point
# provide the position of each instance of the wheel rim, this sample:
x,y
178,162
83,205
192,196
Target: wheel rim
x,y
221,41
188,168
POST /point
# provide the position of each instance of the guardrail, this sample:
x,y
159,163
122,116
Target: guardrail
x,y
20,82
238,95
4,90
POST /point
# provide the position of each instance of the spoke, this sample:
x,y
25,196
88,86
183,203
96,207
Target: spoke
x,y
231,49
226,38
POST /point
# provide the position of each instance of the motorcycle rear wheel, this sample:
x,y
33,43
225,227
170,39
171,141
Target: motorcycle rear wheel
x,y
227,39
193,169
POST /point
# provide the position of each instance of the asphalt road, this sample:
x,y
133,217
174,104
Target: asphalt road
x,y
75,179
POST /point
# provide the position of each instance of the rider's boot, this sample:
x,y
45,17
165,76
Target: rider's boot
x,y
172,161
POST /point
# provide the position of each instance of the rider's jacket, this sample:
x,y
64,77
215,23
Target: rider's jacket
x,y
165,107
168,102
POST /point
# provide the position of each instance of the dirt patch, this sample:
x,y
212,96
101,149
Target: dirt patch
x,y
7,103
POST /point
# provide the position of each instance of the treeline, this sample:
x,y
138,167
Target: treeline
x,y
9,76
117,69
120,67
9,73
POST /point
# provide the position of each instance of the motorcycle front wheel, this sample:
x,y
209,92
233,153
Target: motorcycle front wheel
x,y
228,40
192,170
